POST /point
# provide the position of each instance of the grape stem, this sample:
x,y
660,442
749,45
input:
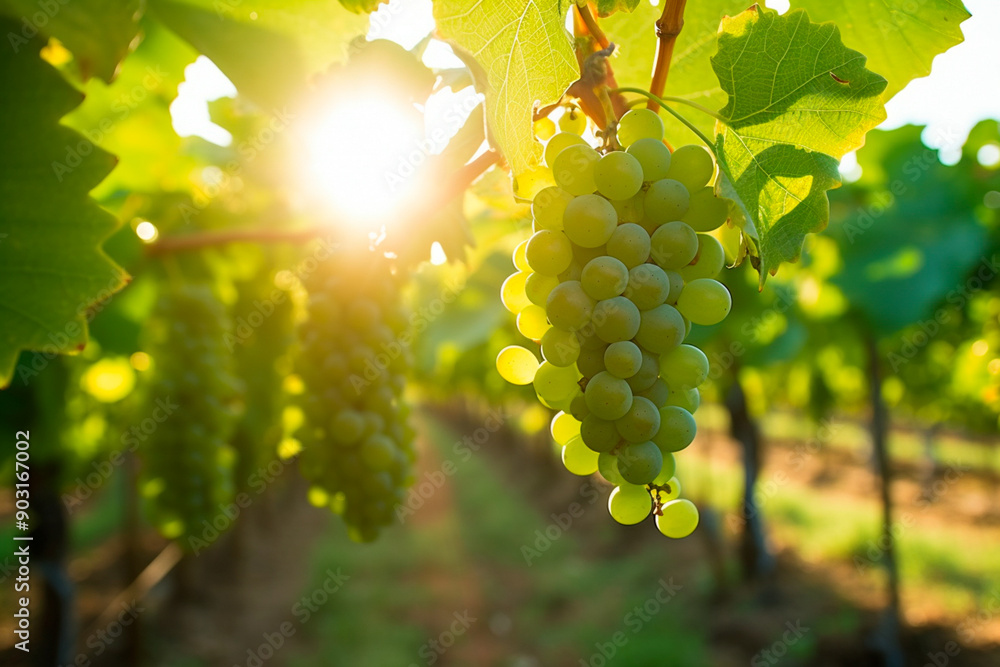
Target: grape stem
x,y
662,102
592,26
668,27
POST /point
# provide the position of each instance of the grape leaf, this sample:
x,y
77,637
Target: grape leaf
x,y
798,101
606,8
899,37
267,48
98,32
691,74
51,266
525,54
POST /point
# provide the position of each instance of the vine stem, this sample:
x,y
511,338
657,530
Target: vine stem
x,y
591,22
662,102
668,27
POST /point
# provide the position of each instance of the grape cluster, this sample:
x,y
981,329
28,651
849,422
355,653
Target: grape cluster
x,y
357,447
188,473
618,267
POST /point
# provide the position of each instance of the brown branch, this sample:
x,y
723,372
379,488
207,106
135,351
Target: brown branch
x,y
667,29
592,27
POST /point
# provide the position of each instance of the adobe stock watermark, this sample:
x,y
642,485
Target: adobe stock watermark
x,y
779,649
432,650
32,23
102,639
544,538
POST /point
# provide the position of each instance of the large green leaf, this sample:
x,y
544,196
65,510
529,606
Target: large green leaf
x,y
51,266
98,32
526,58
798,101
691,74
268,48
899,37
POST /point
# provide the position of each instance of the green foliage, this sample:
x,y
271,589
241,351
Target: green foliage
x,y
609,7
798,100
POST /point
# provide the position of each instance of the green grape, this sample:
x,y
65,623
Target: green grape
x,y
554,383
589,340
689,399
378,451
549,252
585,255
557,143
647,374
639,124
591,361
616,319
631,209
623,359
608,397
590,220
677,429
517,365
692,165
607,465
641,422
653,156
660,329
564,427
548,207
666,200
705,301
629,504
648,286
604,277
544,128
629,244
669,467
578,407
519,258
578,458
673,245
618,176
531,322
600,435
537,288
560,348
640,462
659,393
708,262
569,308
685,367
574,272
512,292
706,212
573,120
676,286
678,518
574,169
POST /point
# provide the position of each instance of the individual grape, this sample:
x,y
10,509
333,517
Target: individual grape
x,y
708,262
608,397
676,287
618,176
640,462
648,286
647,374
706,212
578,407
689,399
629,244
578,458
641,422
517,365
666,200
573,120
549,252
616,319
590,220
677,429
599,434
629,504
555,384
557,143
531,322
660,329
537,288
659,393
589,340
569,308
639,124
678,518
512,292
574,169
574,272
591,362
673,245
604,277
548,207
692,165
607,465
623,359
705,301
519,258
564,427
560,348
685,367
631,209
669,467
378,451
653,156
544,128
